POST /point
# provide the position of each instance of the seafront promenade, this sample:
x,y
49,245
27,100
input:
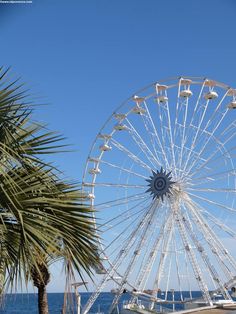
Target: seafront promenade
x,y
224,309
218,311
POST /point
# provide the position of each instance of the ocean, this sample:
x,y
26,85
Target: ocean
x,y
27,303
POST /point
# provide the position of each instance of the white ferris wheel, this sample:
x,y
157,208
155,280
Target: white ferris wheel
x,y
161,179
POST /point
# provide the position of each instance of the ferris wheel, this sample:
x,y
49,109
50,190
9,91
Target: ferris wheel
x,y
161,179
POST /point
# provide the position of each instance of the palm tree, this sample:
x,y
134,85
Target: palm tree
x,y
55,225
41,216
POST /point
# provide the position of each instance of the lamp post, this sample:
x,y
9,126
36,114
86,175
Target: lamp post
x,y
77,295
173,298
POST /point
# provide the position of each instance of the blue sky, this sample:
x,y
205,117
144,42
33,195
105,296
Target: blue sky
x,y
83,58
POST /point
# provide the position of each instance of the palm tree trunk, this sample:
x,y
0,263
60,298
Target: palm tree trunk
x,y
42,300
41,277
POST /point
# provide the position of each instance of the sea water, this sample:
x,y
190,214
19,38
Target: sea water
x,y
27,303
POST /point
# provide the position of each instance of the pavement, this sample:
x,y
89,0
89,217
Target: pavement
x,y
217,311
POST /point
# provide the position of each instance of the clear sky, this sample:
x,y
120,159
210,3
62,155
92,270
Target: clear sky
x,y
83,58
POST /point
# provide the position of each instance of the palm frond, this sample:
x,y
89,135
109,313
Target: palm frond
x,y
41,216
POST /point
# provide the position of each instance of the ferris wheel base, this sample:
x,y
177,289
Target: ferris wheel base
x,y
189,308
147,311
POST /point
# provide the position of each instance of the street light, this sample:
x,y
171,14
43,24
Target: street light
x,y
77,295
173,299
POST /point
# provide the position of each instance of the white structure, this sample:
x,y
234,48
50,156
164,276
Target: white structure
x,y
165,185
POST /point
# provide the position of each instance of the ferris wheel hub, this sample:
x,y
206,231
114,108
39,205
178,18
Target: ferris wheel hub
x,y
160,184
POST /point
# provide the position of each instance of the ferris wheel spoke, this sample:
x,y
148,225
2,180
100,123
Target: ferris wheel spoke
x,y
170,132
191,125
197,271
177,123
121,185
198,160
145,271
126,215
123,169
152,139
181,113
154,160
192,151
182,172
204,130
120,201
130,155
219,224
197,210
168,277
207,140
222,138
154,135
215,176
165,246
135,255
122,253
228,129
211,159
123,232
177,110
138,223
177,266
165,126
212,271
123,213
214,243
213,202
213,116
183,126
213,190
189,279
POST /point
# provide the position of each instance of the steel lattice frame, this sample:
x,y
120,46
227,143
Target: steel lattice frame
x,y
186,127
